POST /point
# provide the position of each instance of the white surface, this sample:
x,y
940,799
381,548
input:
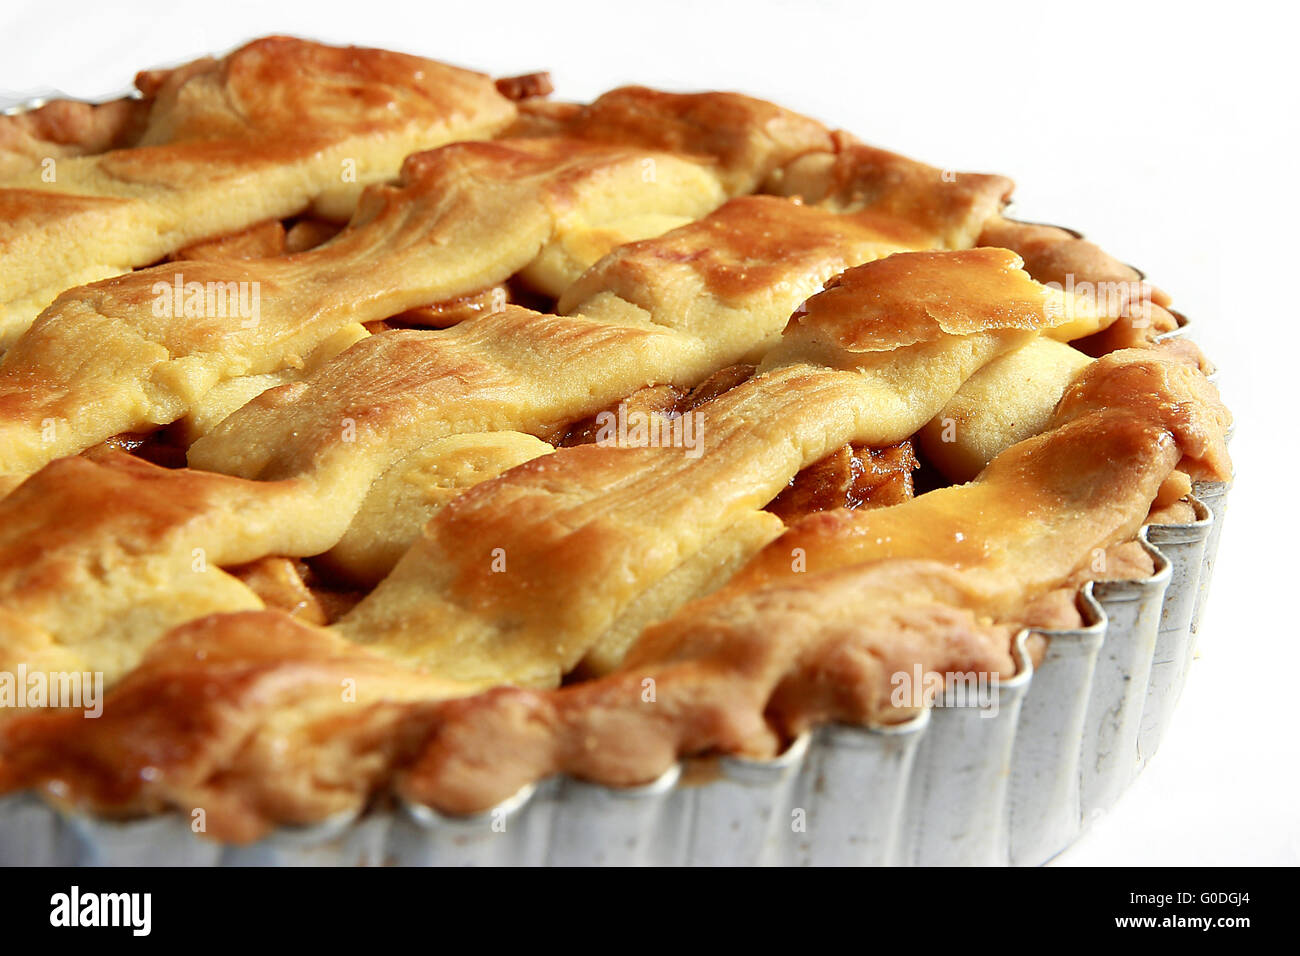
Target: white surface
x,y
1169,137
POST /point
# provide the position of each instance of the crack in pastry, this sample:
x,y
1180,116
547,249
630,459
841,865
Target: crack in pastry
x,y
259,134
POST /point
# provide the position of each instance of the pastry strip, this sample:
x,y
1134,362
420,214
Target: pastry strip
x,y
98,558
1007,401
257,135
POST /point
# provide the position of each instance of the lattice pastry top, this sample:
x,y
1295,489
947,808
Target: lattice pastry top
x,y
581,397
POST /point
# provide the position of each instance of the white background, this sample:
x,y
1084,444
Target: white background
x,y
1166,133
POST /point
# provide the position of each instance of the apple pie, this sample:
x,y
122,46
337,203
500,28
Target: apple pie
x,y
377,430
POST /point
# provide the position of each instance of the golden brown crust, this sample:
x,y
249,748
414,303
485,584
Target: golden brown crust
x,y
437,236
164,364
984,524
141,546
252,675
722,684
252,717
271,690
1164,385
1137,311
909,299
1010,399
515,369
274,126
1058,609
1052,254
749,139
746,250
853,175
542,117
64,128
1114,441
